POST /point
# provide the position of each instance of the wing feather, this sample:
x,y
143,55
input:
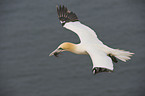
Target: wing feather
x,y
86,34
70,21
65,15
99,58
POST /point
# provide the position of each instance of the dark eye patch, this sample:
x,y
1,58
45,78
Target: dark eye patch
x,y
60,49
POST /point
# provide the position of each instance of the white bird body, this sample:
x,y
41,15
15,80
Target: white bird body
x,y
90,44
101,55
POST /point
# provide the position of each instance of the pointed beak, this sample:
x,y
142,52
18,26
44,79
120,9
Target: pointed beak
x,y
56,52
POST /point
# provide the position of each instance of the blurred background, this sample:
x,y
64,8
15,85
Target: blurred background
x,y
30,30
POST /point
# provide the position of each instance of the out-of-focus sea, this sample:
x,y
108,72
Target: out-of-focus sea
x,y
30,30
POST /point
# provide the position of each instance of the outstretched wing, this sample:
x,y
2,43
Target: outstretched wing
x,y
99,58
70,21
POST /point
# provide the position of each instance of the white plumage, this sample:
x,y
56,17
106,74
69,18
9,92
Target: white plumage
x,y
86,34
101,55
90,42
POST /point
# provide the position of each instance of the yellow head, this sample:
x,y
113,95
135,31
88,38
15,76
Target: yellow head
x,y
64,47
67,46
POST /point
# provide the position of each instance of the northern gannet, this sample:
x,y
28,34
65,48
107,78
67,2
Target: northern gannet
x,y
101,55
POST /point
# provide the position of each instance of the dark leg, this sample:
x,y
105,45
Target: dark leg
x,y
113,58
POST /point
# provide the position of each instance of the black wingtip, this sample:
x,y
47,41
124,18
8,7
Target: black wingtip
x,y
96,70
65,15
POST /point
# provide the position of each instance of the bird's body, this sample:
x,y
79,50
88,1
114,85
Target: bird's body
x,y
101,55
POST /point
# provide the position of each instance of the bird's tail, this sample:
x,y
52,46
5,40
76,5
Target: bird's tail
x,y
121,54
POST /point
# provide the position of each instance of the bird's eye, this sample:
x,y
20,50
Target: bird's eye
x,y
60,48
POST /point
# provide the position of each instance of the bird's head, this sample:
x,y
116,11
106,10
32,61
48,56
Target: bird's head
x,y
63,47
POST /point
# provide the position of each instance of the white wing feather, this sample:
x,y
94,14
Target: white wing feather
x,y
85,33
99,58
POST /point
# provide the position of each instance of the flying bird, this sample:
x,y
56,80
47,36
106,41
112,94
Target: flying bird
x,y
101,55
